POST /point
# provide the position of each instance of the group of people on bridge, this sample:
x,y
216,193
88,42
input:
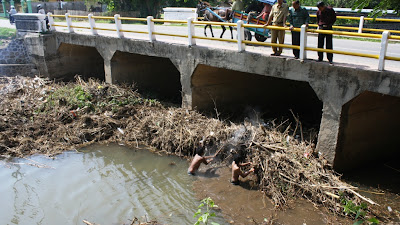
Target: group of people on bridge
x,y
278,13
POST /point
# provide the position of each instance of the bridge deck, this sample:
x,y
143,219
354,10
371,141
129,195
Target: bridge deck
x,y
339,44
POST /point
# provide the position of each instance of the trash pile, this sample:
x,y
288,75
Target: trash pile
x,y
38,116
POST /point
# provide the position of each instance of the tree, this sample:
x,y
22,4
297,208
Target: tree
x,y
380,6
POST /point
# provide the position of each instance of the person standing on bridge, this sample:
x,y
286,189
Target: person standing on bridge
x,y
326,17
298,16
278,15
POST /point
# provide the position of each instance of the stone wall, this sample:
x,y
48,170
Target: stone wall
x,y
51,6
14,53
14,60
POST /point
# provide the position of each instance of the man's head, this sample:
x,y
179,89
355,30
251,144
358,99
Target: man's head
x,y
280,2
12,7
237,159
321,6
296,4
200,151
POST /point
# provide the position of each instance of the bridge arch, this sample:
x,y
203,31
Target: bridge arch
x,y
369,130
233,91
74,60
154,77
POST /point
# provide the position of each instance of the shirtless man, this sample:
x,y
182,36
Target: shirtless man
x,y
236,171
198,160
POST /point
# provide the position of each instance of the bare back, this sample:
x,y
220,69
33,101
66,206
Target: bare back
x,y
196,162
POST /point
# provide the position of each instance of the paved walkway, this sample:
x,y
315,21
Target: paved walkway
x,y
339,44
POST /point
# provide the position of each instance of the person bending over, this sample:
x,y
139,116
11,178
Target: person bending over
x,y
236,171
198,160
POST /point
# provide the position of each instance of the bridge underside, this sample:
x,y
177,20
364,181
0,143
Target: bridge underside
x,y
358,121
234,93
74,60
369,130
154,77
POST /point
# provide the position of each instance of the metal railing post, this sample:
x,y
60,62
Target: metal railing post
x,y
191,32
92,24
29,4
384,45
361,25
22,6
240,36
69,23
51,21
150,27
303,42
3,3
118,25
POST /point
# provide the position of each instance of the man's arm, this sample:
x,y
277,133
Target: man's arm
x,y
245,174
307,17
269,19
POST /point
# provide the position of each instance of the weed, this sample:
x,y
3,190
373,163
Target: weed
x,y
358,212
204,218
7,33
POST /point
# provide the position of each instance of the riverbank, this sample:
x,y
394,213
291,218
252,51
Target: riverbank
x,y
42,117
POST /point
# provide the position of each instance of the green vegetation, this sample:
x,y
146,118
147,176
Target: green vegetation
x,y
7,33
358,212
86,98
204,218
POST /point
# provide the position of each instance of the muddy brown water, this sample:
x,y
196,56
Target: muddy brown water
x,y
245,204
113,184
101,184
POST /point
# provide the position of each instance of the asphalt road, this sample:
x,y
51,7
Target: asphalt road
x,y
339,44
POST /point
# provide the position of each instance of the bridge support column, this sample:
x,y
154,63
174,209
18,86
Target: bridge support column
x,y
107,71
186,69
329,130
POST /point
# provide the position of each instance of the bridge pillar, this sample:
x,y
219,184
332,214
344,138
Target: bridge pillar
x,y
329,130
107,52
186,68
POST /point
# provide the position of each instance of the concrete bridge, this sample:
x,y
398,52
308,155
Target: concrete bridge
x,y
357,108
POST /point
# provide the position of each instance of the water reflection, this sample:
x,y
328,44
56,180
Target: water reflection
x,y
106,185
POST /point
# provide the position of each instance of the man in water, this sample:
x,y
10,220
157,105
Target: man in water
x,y
198,160
236,171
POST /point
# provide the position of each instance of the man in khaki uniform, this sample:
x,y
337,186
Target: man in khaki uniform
x,y
278,15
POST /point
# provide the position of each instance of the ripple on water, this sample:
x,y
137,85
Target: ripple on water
x,y
102,184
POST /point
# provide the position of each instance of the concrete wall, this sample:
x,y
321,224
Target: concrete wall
x,y
14,60
14,53
51,6
222,72
369,128
155,77
233,92
75,59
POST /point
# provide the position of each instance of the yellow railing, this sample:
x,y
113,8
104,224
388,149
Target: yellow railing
x,y
365,18
240,26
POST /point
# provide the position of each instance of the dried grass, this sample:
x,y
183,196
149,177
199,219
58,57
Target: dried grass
x,y
32,122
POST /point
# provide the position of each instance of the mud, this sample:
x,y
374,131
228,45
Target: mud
x,y
246,204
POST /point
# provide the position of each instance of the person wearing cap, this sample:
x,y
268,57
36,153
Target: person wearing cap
x,y
12,12
278,15
298,16
326,17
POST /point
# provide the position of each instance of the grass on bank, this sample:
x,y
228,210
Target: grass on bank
x,y
6,34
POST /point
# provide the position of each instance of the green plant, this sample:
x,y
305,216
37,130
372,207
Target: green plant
x,y
358,212
204,218
7,33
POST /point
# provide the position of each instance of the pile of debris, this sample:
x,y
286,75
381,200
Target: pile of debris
x,y
40,116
